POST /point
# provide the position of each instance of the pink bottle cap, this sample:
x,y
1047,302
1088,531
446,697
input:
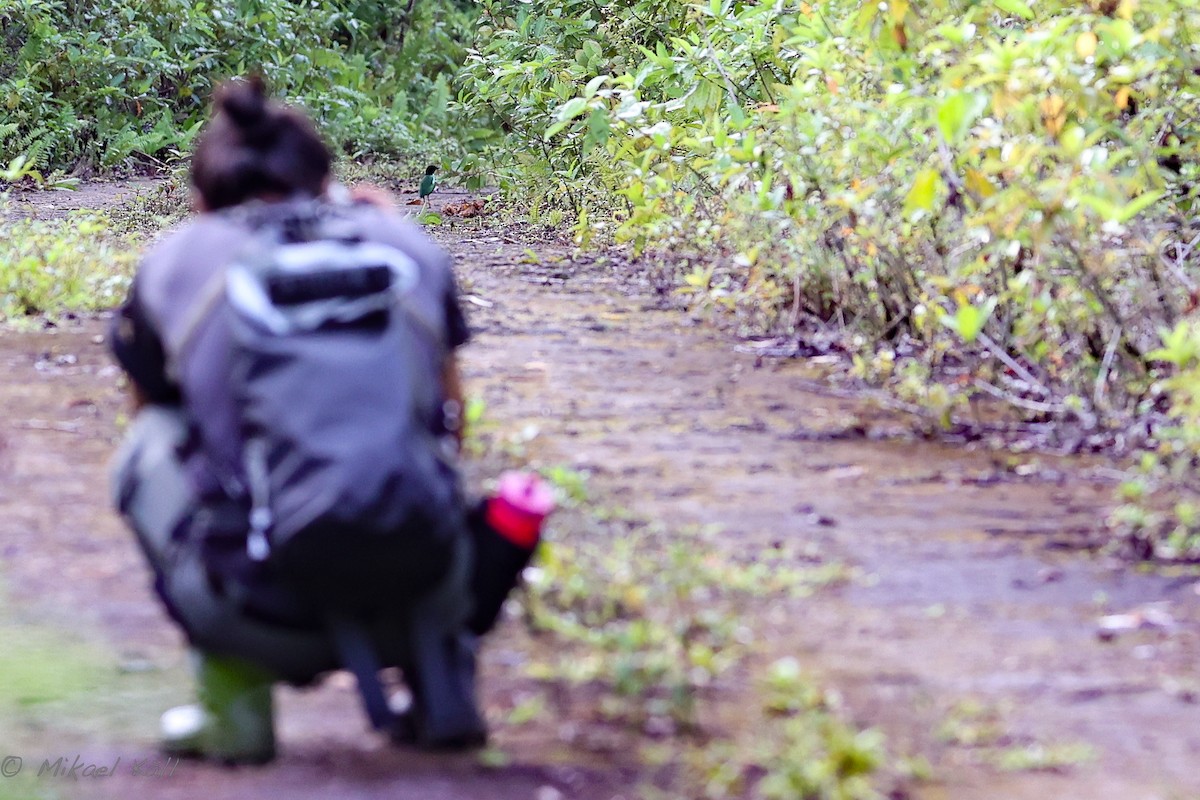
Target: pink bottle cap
x,y
527,492
520,504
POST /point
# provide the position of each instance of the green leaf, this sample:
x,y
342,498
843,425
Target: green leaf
x,y
1112,212
598,127
571,109
1105,208
494,758
554,130
594,85
956,34
958,113
923,192
866,17
968,320
527,711
1122,35
1139,204
1016,8
15,171
1181,346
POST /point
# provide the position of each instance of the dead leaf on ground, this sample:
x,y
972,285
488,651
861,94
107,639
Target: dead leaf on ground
x,y
466,209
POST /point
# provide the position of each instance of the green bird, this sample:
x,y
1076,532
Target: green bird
x,y
428,183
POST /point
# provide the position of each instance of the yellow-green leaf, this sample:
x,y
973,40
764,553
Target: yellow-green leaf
x,y
923,192
1016,8
958,113
1085,44
968,320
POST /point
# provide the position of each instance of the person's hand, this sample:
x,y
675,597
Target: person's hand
x,y
373,196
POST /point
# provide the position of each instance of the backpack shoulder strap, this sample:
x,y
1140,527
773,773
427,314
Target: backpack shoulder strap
x,y
210,295
257,218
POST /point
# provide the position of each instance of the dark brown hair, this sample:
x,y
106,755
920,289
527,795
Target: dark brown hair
x,y
254,146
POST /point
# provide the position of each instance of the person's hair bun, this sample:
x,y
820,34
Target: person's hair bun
x,y
244,102
255,147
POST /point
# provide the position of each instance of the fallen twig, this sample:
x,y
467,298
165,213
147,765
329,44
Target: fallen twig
x,y
40,425
1020,402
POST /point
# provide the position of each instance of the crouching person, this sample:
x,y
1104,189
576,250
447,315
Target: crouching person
x,y
290,474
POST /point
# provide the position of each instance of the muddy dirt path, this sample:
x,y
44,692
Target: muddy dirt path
x,y
975,619
968,634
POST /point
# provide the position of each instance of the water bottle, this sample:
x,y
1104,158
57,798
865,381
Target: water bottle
x,y
506,528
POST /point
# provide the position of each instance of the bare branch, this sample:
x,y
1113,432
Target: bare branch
x,y
406,23
1012,364
1102,379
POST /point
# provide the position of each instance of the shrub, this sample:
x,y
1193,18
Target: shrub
x,y
102,83
67,265
986,199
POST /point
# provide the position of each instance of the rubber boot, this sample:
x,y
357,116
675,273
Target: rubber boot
x,y
234,720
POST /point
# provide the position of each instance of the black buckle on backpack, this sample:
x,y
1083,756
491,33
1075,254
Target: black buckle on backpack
x,y
289,289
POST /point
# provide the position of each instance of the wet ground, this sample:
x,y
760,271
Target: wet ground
x,y
30,202
968,633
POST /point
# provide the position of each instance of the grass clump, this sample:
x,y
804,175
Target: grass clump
x,y
62,266
659,630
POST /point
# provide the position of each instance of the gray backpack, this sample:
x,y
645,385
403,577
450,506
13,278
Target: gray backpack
x,y
353,501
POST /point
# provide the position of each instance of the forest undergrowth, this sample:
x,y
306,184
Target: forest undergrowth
x,y
975,204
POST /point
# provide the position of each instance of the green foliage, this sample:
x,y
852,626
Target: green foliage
x,y
662,622
864,163
43,667
1057,757
991,737
56,266
101,83
1160,516
1003,192
20,169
